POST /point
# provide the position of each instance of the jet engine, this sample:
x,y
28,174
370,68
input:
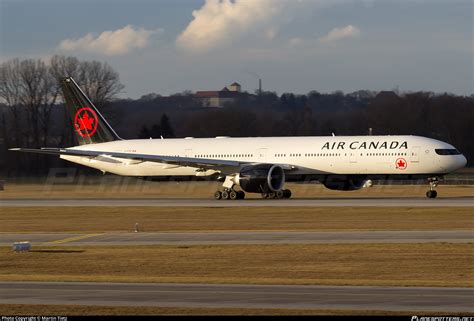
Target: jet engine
x,y
262,178
344,183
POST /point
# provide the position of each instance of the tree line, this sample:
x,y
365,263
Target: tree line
x,y
30,94
32,113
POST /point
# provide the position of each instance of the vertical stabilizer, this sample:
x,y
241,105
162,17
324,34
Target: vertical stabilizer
x,y
89,125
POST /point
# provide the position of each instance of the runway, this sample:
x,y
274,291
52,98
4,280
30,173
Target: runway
x,y
240,296
322,202
206,238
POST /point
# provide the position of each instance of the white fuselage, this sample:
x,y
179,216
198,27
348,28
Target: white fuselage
x,y
388,155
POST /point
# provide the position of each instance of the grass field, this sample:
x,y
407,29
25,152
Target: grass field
x,y
67,310
438,264
125,187
156,219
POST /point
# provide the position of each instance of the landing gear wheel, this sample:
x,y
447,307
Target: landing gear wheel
x,y
433,184
233,195
271,195
218,195
280,194
240,195
264,195
225,195
287,193
431,194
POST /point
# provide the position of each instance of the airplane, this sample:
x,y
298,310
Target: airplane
x,y
254,164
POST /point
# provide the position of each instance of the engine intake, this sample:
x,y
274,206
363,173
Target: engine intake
x,y
262,178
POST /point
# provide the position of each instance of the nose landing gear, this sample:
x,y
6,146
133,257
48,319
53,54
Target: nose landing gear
x,y
433,184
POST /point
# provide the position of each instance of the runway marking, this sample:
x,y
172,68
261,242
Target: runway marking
x,y
72,239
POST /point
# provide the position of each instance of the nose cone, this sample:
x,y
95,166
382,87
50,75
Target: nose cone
x,y
452,163
458,161
463,161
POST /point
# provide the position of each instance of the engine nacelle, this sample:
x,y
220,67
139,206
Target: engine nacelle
x,y
344,184
261,178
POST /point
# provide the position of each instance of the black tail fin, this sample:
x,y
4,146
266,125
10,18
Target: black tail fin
x,y
89,125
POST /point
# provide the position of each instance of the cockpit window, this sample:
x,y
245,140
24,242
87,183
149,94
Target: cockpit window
x,y
447,152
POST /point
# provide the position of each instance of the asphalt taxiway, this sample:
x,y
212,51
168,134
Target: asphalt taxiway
x,y
231,237
175,202
240,296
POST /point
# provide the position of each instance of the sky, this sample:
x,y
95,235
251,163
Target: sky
x,y
168,46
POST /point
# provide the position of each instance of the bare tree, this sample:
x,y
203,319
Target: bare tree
x,y
9,82
27,88
99,80
10,94
28,84
62,66
38,95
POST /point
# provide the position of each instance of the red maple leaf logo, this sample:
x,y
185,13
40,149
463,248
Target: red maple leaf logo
x,y
401,163
86,122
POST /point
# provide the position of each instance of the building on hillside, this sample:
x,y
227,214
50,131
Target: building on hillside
x,y
219,98
386,96
235,87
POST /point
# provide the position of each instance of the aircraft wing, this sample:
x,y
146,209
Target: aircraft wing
x,y
181,161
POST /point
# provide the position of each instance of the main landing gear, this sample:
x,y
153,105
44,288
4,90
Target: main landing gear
x,y
229,194
433,184
284,193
